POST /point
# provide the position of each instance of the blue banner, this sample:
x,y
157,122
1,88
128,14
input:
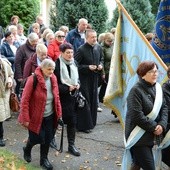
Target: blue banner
x,y
161,40
130,48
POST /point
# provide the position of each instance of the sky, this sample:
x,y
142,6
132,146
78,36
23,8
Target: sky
x,y
111,5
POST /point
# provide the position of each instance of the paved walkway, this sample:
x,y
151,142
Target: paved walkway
x,y
101,149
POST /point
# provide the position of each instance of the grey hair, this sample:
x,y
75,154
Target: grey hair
x,y
58,32
47,63
83,20
20,26
89,31
41,48
12,28
32,37
64,28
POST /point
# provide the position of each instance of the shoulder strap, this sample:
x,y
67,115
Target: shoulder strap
x,y
34,81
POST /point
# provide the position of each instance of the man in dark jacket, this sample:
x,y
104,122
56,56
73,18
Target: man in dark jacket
x,y
76,37
90,62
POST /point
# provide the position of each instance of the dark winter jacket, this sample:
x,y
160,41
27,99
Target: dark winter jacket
x,y
140,103
23,53
7,52
74,38
67,101
166,91
107,55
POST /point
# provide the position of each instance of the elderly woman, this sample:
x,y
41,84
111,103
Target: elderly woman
x,y
107,48
40,111
65,29
68,80
20,31
36,28
35,60
6,80
49,38
53,47
23,53
31,64
144,96
9,48
43,35
14,30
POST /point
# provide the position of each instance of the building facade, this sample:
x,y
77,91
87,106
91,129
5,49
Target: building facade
x,y
45,11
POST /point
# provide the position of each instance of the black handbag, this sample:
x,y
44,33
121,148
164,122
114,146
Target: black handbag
x,y
80,99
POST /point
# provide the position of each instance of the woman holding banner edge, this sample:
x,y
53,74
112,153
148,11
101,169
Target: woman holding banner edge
x,y
146,118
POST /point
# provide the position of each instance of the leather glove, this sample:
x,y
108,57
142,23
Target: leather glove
x,y
60,122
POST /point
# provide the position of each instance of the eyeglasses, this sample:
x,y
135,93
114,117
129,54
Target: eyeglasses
x,y
153,71
60,36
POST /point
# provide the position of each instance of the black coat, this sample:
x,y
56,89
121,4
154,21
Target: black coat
x,y
140,103
166,91
67,101
85,56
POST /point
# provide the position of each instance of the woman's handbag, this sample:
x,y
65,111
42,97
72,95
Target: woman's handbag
x,y
80,99
13,102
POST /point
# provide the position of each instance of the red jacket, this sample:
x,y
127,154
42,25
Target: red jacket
x,y
33,102
53,50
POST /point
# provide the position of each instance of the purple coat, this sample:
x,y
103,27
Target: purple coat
x,y
30,66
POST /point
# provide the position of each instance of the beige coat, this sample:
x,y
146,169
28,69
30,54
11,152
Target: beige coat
x,y
4,99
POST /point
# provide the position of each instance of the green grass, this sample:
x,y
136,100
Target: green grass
x,y
9,161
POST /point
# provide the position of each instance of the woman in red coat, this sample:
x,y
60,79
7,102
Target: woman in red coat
x,y
53,47
41,110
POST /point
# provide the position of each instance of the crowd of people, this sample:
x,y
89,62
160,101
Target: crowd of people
x,y
63,63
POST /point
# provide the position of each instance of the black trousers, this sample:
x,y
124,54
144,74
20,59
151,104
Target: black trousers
x,y
165,156
103,89
46,133
143,157
1,130
17,88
